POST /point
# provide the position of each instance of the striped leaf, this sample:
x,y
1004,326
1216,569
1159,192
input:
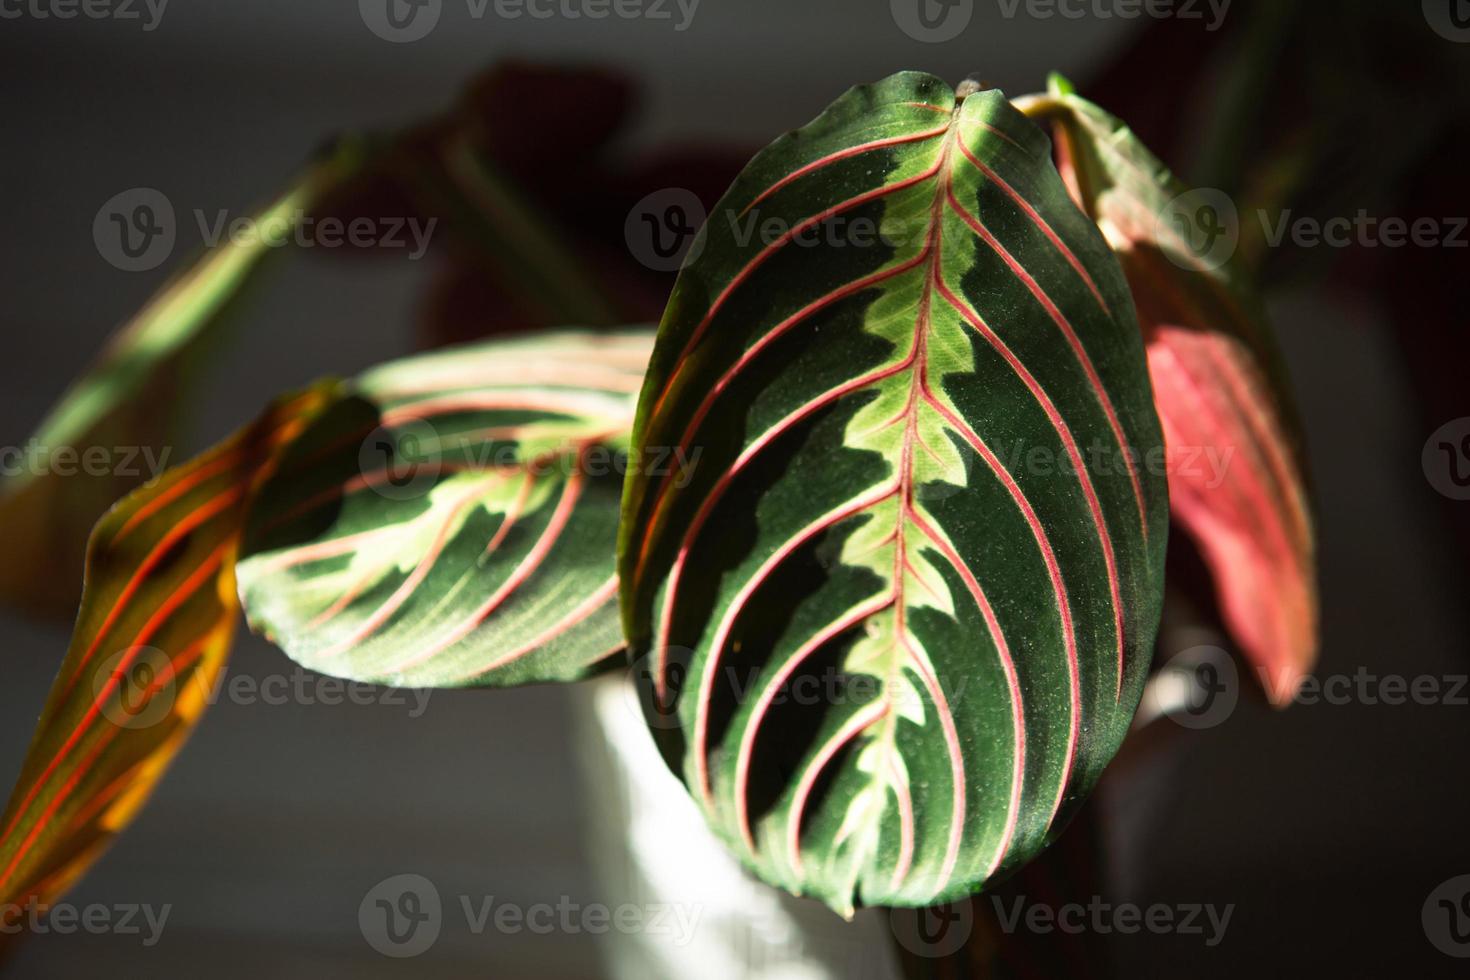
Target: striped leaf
x,y
155,626
1220,385
898,620
453,522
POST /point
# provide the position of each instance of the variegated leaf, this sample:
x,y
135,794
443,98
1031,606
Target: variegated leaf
x,y
453,523
899,619
1237,475
156,622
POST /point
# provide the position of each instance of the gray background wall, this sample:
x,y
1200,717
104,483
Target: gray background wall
x,y
1326,826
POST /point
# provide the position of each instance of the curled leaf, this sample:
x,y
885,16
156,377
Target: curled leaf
x,y
156,622
1237,476
452,522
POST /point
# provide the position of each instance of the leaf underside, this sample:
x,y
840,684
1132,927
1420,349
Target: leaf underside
x,y
452,522
898,620
155,626
1220,386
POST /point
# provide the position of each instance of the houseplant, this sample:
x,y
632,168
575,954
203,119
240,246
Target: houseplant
x,y
901,380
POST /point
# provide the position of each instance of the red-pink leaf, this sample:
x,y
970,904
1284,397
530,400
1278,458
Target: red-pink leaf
x,y
1237,480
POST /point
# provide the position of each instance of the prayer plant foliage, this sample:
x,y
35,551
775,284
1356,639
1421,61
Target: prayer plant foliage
x,y
889,556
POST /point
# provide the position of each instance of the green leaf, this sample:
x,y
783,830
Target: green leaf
x,y
453,522
898,619
155,627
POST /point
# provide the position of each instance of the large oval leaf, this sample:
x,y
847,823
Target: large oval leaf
x,y
453,521
899,618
